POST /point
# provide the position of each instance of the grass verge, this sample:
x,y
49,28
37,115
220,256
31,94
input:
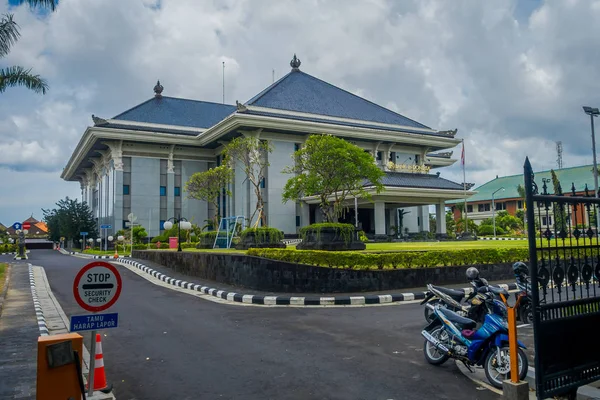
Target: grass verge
x,y
3,269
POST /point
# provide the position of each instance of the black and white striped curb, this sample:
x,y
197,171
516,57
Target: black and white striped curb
x,y
95,257
39,314
291,241
486,238
8,254
287,300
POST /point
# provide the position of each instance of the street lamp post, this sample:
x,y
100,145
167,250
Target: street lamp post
x,y
494,210
593,112
182,223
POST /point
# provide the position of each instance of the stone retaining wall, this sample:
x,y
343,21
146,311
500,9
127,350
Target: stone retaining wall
x,y
278,276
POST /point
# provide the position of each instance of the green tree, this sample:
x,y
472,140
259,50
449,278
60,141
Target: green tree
x,y
251,154
560,217
460,226
69,219
331,169
208,185
450,223
9,34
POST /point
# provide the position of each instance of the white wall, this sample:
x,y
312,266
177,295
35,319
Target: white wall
x,y
281,216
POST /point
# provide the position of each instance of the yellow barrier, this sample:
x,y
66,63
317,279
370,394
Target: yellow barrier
x,y
57,371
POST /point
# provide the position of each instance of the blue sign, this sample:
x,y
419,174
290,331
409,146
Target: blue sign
x,y
105,226
94,322
83,233
17,226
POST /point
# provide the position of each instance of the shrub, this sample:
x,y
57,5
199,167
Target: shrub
x,y
362,237
488,230
8,248
263,235
393,260
343,231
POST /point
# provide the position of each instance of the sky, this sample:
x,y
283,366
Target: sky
x,y
510,76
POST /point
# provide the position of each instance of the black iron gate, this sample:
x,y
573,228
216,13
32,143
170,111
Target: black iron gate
x,y
564,266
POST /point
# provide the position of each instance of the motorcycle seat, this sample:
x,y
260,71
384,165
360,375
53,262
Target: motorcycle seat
x,y
450,292
466,323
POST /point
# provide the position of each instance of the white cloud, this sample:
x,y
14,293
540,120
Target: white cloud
x,y
512,79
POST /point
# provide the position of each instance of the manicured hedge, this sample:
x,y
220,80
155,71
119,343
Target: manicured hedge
x,y
263,235
393,260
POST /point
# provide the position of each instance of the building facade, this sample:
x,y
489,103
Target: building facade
x,y
138,161
501,194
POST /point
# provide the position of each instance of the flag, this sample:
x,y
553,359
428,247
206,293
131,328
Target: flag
x,y
462,154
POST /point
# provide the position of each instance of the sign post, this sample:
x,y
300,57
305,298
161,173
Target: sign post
x,y
83,235
96,288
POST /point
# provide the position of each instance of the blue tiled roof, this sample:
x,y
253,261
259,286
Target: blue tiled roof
x,y
174,111
301,92
426,181
342,123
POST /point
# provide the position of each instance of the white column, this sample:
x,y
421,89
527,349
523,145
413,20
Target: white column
x,y
392,219
304,214
425,219
380,218
440,217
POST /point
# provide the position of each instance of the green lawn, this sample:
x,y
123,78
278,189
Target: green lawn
x,y
3,269
454,245
232,250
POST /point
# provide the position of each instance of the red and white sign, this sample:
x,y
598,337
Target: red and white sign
x,y
26,225
97,286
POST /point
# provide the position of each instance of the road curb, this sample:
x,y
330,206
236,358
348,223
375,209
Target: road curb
x,y
39,313
286,300
95,257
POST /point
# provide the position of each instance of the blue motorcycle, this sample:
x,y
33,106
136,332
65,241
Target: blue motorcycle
x,y
450,335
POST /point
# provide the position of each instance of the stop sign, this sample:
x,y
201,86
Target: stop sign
x,y
26,225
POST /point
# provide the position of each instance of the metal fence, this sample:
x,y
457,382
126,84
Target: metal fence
x,y
564,249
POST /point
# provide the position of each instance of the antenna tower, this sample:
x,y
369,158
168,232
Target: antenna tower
x,y
559,154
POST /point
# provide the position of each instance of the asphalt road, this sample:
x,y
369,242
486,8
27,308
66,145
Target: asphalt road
x,y
170,345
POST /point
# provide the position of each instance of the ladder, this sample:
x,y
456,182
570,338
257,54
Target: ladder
x,y
226,231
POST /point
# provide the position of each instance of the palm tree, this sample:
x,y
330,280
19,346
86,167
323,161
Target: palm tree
x,y
9,34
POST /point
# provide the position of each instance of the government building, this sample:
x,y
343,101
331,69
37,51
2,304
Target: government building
x,y
139,161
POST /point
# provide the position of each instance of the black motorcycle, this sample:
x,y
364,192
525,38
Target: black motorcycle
x,y
450,298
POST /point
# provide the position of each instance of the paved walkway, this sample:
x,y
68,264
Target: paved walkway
x,y
18,338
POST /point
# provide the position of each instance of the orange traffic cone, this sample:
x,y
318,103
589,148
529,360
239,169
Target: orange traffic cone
x,y
99,374
116,253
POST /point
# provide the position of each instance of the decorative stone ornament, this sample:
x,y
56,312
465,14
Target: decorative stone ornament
x,y
158,89
295,63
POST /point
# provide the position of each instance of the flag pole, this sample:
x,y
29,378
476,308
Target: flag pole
x,y
465,187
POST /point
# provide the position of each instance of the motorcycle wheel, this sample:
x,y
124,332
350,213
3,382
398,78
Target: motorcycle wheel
x,y
496,372
433,355
428,313
526,313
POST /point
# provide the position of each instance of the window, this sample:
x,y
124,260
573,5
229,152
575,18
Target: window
x,y
162,225
520,204
125,189
297,220
379,156
417,159
296,146
546,221
469,208
500,206
125,224
177,191
483,207
163,190
263,183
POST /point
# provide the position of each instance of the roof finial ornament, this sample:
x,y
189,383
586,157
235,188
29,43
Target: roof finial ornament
x,y
158,90
295,63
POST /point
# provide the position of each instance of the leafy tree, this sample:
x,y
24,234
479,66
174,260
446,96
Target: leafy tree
x,y
252,154
450,223
560,217
521,191
9,34
471,225
69,219
208,185
331,169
